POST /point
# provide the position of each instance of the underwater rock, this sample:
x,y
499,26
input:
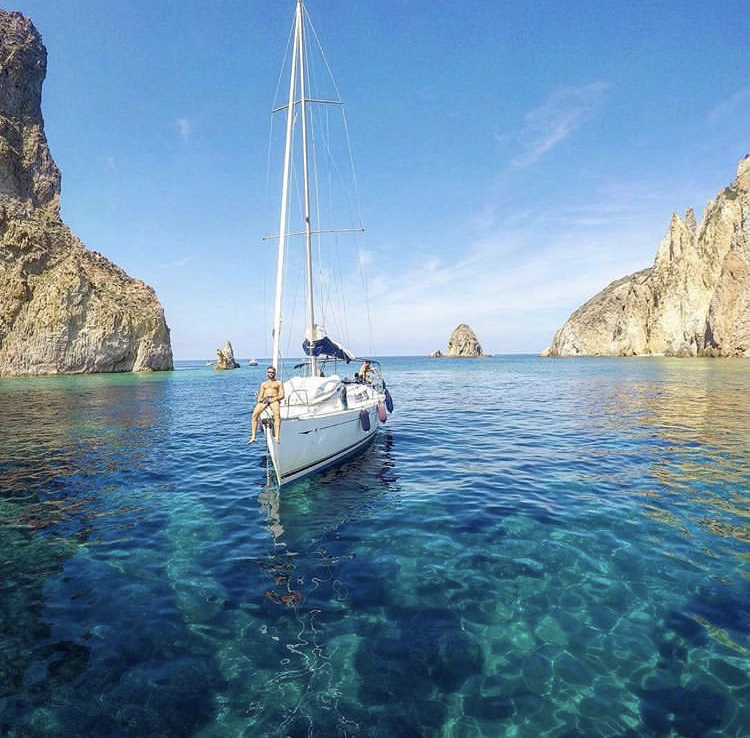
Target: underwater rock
x,y
459,656
689,712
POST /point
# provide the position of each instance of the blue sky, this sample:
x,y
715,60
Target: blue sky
x,y
512,158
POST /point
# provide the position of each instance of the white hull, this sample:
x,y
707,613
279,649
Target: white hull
x,y
309,445
321,425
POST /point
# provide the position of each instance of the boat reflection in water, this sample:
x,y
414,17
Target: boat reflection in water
x,y
315,507
314,579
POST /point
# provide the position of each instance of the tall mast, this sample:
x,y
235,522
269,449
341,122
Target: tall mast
x,y
306,176
285,193
298,66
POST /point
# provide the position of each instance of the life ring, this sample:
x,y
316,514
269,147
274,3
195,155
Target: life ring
x,y
364,419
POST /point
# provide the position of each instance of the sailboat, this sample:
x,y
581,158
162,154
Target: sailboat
x,y
324,419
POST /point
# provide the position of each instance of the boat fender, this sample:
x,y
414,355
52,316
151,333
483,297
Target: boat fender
x,y
388,401
364,419
382,414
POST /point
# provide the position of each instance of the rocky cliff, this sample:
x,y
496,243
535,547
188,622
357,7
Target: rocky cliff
x,y
463,342
63,308
693,301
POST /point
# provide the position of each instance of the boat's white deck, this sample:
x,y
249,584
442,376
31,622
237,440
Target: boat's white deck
x,y
306,397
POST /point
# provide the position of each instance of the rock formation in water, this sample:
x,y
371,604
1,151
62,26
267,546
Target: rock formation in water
x,y
463,342
436,354
225,358
63,308
694,300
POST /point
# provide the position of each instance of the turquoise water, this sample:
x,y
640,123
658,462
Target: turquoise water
x,y
531,548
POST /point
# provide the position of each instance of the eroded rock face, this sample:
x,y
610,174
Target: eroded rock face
x,y
26,167
463,342
694,300
63,308
225,358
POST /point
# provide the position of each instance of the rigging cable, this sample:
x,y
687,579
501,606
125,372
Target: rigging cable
x,y
355,206
268,207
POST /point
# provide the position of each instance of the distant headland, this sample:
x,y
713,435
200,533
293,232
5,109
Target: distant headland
x,y
693,301
63,308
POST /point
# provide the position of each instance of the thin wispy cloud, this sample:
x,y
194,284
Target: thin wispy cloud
x,y
480,289
184,128
179,263
493,298
556,119
364,257
516,284
734,105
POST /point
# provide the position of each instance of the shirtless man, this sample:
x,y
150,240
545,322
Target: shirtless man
x,y
271,393
364,370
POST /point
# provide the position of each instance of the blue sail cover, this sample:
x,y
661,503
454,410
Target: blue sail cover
x,y
324,346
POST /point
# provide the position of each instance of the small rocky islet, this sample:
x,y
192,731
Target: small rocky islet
x,y
63,308
463,342
225,358
693,301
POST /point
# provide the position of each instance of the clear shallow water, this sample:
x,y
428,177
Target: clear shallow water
x,y
531,548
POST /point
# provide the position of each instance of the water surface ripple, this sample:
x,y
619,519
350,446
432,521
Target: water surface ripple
x,y
540,548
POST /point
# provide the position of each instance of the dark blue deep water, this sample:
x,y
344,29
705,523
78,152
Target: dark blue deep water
x,y
531,548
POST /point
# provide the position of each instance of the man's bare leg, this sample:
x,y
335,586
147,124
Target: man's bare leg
x,y
253,427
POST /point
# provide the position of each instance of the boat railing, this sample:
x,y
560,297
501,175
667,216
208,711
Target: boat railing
x,y
301,396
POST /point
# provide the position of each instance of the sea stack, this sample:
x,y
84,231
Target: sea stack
x,y
225,358
463,342
693,301
63,308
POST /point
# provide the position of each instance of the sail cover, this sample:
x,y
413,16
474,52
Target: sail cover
x,y
321,345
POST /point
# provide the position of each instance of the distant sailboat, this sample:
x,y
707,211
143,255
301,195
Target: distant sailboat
x,y
324,419
252,362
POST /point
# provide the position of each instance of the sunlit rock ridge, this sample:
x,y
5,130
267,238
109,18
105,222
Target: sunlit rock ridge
x,y
694,300
63,308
